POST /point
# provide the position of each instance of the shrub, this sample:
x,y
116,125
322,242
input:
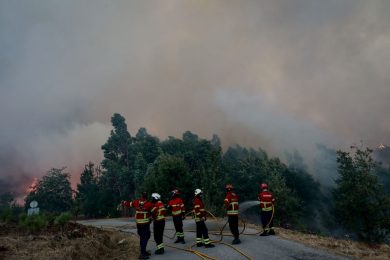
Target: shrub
x,y
10,214
63,218
33,223
6,215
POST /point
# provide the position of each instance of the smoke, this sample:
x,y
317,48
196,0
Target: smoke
x,y
277,74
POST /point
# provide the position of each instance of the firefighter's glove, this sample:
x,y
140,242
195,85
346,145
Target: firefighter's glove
x,y
183,217
203,218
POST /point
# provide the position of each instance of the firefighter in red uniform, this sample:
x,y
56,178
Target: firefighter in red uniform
x,y
178,214
158,214
267,210
202,236
142,218
231,205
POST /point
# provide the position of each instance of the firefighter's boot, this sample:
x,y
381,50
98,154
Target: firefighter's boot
x,y
159,251
209,245
236,241
180,240
265,233
143,256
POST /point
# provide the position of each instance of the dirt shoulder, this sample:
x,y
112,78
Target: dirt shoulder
x,y
74,241
356,250
353,249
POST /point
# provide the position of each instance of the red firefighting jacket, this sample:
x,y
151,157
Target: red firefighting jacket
x,y
177,206
266,200
198,209
158,211
142,210
231,203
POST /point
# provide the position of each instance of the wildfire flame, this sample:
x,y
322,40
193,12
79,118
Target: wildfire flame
x,y
33,186
381,147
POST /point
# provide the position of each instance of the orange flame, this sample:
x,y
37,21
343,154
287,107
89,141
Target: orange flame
x,y
33,186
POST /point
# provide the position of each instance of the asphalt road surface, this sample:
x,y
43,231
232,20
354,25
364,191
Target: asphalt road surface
x,y
252,246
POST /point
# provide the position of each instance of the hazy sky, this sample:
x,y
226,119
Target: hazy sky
x,y
277,74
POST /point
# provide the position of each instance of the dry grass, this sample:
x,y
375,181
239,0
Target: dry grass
x,y
76,242
356,250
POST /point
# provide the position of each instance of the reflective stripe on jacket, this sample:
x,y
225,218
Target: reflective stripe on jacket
x,y
158,211
266,200
177,206
231,203
198,209
142,210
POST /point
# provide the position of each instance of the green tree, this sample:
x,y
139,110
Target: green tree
x,y
303,184
140,168
166,173
245,169
6,200
117,180
53,192
383,174
88,192
361,204
147,145
9,210
288,205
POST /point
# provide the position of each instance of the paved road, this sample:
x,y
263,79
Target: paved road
x,y
254,246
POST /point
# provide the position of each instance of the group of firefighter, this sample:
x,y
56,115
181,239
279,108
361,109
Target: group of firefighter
x,y
154,210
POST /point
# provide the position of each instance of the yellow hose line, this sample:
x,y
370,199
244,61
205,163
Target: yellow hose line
x,y
209,257
272,217
221,234
238,250
200,254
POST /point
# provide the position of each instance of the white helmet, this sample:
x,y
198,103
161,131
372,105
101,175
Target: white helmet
x,y
197,192
156,196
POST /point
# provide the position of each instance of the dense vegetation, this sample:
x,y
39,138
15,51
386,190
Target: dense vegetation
x,y
133,164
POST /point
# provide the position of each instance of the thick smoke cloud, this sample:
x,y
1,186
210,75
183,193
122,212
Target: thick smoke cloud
x,y
277,74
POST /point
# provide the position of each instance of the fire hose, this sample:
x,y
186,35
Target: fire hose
x,y
204,256
272,217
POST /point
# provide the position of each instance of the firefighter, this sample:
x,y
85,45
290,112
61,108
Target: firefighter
x,y
178,214
267,202
142,218
202,236
231,205
158,213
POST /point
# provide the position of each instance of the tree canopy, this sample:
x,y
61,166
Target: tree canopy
x,y
360,201
53,192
